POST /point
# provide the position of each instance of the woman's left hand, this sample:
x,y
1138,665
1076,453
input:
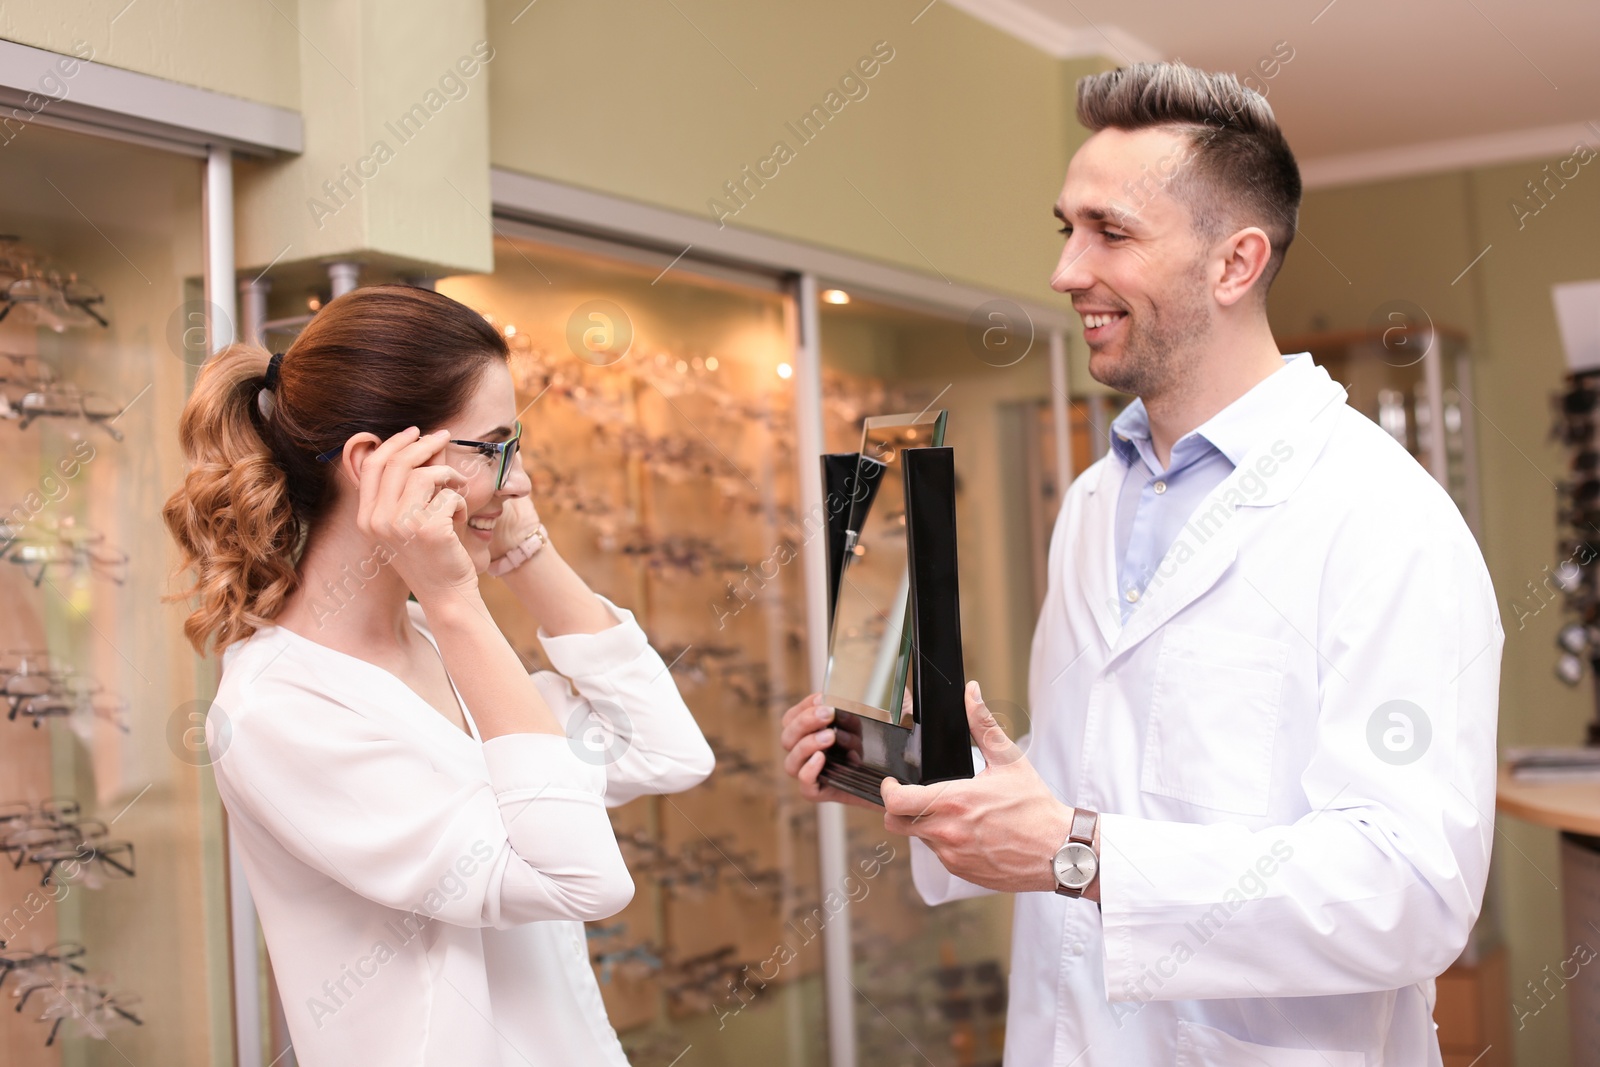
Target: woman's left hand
x,y
516,524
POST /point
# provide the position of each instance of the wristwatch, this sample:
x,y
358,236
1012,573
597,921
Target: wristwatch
x,y
1075,863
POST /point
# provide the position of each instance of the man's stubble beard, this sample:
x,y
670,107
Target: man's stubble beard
x,y
1158,358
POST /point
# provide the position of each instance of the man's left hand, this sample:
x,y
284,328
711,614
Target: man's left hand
x,y
998,830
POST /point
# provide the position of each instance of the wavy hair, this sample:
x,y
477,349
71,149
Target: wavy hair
x,y
375,360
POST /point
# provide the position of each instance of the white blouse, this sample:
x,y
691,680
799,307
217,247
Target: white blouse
x,y
423,892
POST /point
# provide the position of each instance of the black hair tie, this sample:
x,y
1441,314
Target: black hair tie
x,y
269,386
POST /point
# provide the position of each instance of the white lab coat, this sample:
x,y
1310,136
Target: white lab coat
x,y
422,892
1278,887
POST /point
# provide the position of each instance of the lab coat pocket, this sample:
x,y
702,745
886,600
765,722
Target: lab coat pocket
x,y
1214,718
1201,1046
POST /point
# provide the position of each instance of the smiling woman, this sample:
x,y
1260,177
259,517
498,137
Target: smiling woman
x,y
400,790
376,361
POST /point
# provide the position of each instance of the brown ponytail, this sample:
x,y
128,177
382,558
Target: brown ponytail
x,y
376,360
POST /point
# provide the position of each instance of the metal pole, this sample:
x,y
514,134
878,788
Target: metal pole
x,y
221,310
1469,445
253,310
344,276
1433,371
838,990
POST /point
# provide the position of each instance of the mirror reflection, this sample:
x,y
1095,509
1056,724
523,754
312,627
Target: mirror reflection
x,y
869,650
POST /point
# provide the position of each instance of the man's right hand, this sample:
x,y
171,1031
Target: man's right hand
x,y
807,733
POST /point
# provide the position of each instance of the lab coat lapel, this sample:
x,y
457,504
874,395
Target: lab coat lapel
x,y
1208,544
1096,557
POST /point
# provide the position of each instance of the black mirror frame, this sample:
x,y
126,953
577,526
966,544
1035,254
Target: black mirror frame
x,y
937,746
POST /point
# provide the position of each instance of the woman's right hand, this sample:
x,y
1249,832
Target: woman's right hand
x,y
806,735
411,506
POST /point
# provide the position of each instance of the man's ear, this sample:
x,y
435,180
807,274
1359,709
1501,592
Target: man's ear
x,y
1244,258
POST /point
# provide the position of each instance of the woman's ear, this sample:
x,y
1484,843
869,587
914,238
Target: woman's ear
x,y
354,457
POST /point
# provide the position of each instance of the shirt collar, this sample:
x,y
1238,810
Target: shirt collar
x,y
1239,427
1233,431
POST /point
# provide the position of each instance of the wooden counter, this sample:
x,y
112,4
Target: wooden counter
x,y
1571,806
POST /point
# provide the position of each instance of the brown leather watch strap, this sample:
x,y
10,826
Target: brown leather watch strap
x,y
1083,821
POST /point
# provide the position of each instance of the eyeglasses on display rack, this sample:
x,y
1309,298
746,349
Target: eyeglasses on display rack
x,y
29,390
1578,511
62,958
636,963
54,987
498,453
56,550
698,982
65,401
68,849
35,690
42,293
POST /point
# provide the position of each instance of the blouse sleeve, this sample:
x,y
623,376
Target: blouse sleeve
x,y
622,710
374,813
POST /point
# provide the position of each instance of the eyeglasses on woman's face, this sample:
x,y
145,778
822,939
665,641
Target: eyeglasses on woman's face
x,y
498,454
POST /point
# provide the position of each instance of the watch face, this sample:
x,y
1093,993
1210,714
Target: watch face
x,y
1075,865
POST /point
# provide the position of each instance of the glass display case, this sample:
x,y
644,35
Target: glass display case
x,y
112,899
930,983
1412,378
660,440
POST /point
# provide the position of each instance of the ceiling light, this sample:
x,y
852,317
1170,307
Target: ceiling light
x,y
835,296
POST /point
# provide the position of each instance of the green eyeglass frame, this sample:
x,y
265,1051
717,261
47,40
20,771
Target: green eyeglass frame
x,y
501,452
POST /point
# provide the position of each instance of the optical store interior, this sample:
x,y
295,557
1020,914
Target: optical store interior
x,y
716,239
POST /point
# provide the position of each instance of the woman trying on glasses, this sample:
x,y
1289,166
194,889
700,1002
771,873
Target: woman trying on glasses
x,y
423,824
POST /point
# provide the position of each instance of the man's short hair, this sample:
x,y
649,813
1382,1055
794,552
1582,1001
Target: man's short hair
x,y
1239,170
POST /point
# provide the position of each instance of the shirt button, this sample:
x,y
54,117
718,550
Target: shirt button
x,y
1077,948
1133,596
1160,487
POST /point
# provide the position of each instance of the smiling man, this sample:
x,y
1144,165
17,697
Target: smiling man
x,y
1253,820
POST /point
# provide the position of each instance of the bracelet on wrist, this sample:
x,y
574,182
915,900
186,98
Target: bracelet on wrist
x,y
521,553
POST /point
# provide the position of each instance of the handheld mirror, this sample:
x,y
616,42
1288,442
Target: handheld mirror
x,y
895,672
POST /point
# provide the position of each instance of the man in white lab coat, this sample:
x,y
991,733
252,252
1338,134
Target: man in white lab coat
x,y
1253,819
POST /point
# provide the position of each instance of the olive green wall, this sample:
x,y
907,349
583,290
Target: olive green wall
x,y
354,69
243,48
948,166
395,171
1411,240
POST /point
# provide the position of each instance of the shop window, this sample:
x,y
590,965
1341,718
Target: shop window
x,y
659,414
112,904
930,983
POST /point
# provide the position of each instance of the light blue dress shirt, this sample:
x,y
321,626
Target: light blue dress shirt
x,y
1157,501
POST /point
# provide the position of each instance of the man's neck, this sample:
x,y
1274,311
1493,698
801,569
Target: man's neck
x,y
1227,370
